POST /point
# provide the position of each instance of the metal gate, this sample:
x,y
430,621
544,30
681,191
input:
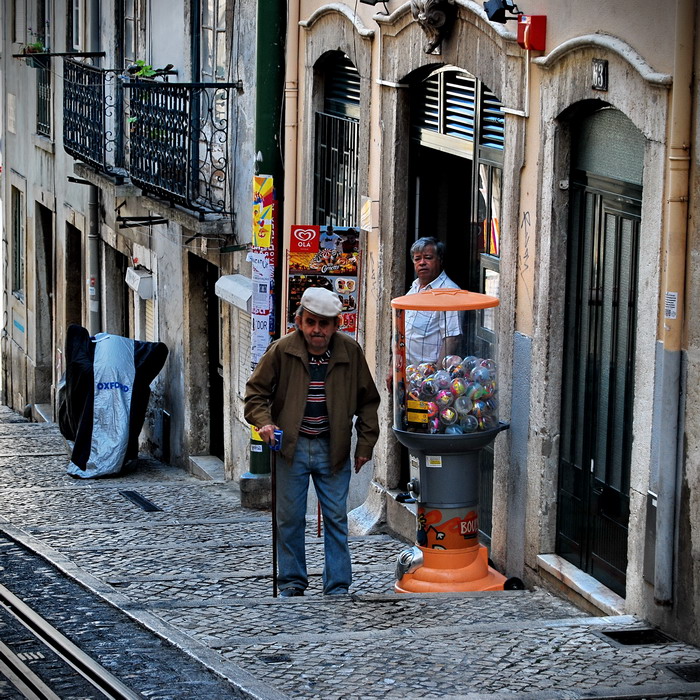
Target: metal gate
x,y
597,399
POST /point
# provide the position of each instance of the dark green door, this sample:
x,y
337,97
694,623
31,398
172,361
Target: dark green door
x,y
598,377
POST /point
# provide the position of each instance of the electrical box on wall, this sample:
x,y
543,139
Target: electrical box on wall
x,y
531,31
141,281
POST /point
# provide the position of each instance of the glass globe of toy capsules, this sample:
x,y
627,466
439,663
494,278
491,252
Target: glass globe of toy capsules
x,y
444,398
462,405
448,416
450,361
458,386
442,378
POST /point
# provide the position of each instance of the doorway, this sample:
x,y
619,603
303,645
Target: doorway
x,y
441,199
206,371
599,345
44,244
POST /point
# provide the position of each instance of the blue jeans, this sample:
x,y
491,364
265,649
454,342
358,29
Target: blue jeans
x,y
311,458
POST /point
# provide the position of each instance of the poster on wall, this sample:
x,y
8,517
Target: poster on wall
x,y
262,258
328,257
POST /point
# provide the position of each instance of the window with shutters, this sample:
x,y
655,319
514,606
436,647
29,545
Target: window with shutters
x,y
214,55
336,167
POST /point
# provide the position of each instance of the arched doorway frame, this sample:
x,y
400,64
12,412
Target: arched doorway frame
x,y
641,95
489,53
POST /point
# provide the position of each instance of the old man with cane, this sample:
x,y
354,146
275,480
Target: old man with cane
x,y
311,384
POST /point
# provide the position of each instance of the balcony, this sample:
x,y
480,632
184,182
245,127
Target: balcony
x,y
171,140
93,117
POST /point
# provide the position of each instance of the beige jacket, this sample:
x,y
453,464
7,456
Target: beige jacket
x,y
276,393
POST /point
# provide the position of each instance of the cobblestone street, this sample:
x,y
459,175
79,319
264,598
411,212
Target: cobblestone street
x,y
197,572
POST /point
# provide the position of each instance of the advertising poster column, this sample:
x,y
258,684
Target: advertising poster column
x,y
263,258
328,257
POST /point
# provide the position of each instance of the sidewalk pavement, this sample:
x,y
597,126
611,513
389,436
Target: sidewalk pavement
x,y
197,572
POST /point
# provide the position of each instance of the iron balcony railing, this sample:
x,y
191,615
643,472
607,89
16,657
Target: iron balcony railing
x,y
93,109
179,142
170,139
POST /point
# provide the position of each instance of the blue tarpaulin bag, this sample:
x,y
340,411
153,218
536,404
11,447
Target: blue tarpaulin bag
x,y
103,403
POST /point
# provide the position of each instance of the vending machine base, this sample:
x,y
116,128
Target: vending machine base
x,y
455,570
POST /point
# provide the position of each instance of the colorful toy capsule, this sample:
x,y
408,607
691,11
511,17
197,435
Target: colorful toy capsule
x,y
444,398
482,375
462,405
427,368
469,423
458,386
458,370
450,361
428,388
469,362
479,409
448,416
442,378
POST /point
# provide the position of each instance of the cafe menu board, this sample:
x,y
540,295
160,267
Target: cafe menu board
x,y
328,257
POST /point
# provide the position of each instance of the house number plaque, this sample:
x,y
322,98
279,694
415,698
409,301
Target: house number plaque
x,y
599,74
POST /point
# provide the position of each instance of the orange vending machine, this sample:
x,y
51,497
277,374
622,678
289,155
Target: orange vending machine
x,y
445,381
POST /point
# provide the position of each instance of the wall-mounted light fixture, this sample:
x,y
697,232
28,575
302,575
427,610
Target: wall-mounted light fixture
x,y
496,10
532,29
375,2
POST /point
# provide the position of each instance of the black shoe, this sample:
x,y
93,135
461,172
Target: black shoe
x,y
291,592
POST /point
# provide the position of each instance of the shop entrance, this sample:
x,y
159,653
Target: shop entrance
x,y
455,166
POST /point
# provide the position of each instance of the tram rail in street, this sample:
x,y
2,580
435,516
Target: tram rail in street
x,y
29,683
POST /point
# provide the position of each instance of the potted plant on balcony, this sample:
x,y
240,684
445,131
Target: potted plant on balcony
x,y
35,53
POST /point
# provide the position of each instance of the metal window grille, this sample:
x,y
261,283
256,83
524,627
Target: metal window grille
x,y
17,243
336,168
336,171
43,101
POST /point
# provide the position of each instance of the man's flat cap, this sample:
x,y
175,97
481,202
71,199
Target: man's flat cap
x,y
321,302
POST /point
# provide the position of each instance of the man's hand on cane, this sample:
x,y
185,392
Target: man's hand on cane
x,y
267,433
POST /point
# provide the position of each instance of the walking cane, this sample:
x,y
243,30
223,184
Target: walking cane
x,y
274,449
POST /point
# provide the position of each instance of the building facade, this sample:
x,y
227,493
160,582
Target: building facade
x,y
122,145
561,176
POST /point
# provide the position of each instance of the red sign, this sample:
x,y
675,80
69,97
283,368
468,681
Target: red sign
x,y
305,239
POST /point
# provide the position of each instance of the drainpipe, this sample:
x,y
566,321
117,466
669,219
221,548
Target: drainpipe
x,y
291,107
272,25
271,22
93,262
93,248
673,285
